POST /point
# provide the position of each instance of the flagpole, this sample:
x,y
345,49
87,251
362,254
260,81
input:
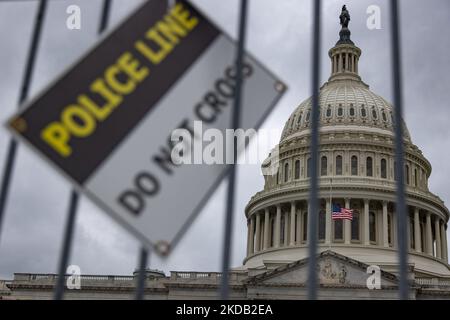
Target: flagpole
x,y
331,209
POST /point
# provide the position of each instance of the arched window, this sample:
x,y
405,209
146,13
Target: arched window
x,y
323,166
322,218
352,112
299,118
329,112
308,167
340,112
286,172
297,169
308,114
363,112
354,165
383,114
383,169
338,230
415,178
369,167
339,165
374,114
355,226
372,227
407,174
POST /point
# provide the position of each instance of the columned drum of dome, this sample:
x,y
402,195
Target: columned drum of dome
x,y
357,171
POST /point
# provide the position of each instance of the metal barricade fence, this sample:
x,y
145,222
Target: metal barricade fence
x,y
314,150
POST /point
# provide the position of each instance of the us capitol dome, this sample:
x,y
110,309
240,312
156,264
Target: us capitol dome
x,y
357,171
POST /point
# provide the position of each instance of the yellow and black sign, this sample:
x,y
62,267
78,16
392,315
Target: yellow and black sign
x,y
107,123
79,121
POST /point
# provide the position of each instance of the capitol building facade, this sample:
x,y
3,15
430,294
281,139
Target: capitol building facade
x,y
356,171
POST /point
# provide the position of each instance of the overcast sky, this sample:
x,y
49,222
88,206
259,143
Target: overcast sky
x,y
279,35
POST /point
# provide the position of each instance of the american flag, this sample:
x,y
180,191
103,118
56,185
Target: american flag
x,y
341,213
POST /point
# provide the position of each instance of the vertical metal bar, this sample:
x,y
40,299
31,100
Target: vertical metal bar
x,y
313,193
143,261
12,146
144,254
74,197
67,244
399,151
105,16
236,113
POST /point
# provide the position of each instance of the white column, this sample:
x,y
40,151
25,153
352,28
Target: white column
x,y
327,221
258,232
334,64
408,230
340,62
299,227
443,242
251,245
385,225
266,228
346,61
347,224
350,65
286,229
276,241
429,235
292,222
417,236
437,233
353,62
248,237
366,222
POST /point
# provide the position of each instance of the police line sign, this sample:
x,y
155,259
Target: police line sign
x,y
106,124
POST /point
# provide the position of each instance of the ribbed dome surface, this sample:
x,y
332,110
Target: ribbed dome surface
x,y
343,103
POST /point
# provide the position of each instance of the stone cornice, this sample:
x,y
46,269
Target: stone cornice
x,y
208,286
41,287
433,292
